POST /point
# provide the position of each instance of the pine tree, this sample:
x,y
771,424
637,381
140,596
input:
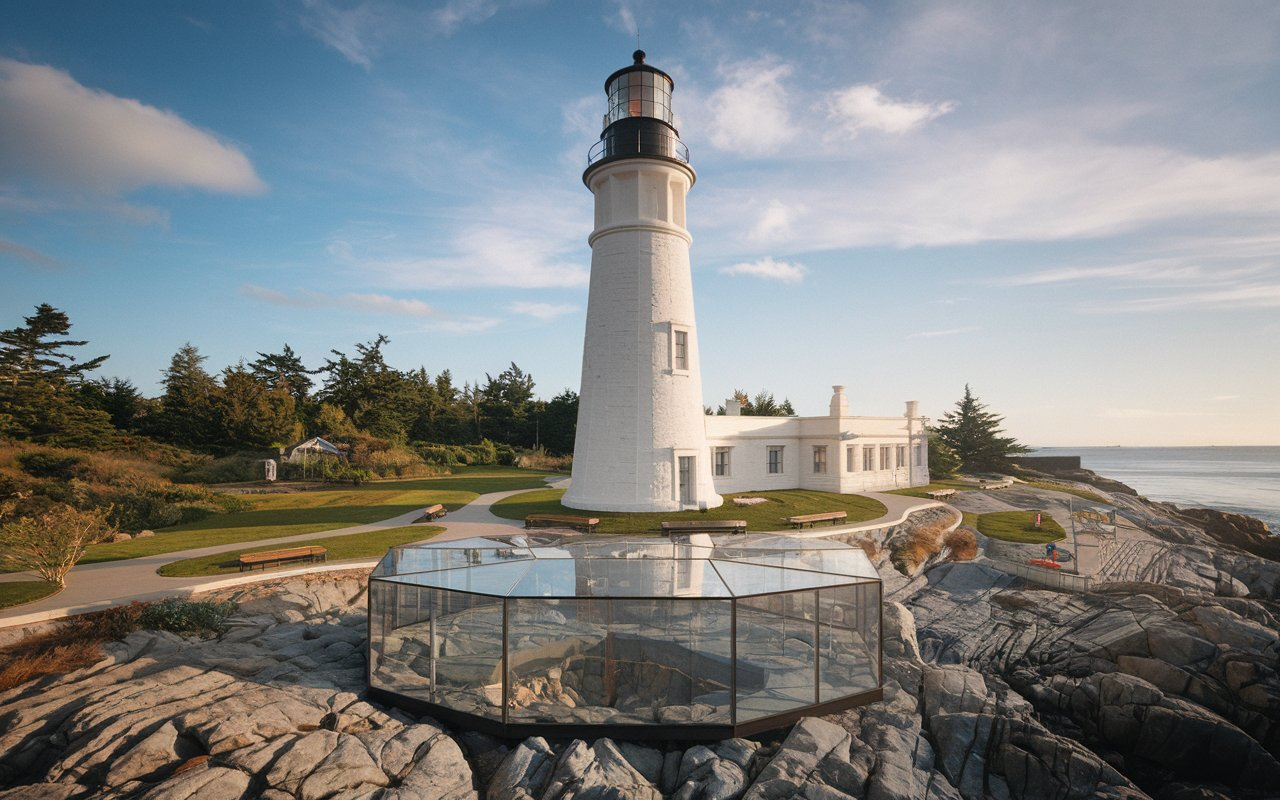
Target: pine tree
x,y
974,434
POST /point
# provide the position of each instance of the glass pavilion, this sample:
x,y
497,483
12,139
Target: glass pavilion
x,y
696,637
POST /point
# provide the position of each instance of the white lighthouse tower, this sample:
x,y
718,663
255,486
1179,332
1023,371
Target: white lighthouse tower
x,y
641,441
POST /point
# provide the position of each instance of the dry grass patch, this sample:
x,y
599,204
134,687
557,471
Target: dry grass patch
x,y
920,545
962,543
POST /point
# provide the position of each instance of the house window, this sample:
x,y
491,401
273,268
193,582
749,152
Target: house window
x,y
775,459
868,458
919,455
819,459
902,456
884,457
850,458
682,350
720,461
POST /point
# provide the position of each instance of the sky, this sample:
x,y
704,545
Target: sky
x,y
1074,208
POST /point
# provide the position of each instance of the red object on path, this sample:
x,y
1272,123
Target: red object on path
x,y
1044,562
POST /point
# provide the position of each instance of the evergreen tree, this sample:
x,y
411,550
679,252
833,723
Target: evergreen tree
x,y
974,434
188,413
943,461
505,403
252,415
558,423
39,381
35,352
117,396
284,370
762,405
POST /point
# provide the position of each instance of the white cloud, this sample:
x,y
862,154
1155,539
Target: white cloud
x,y
383,304
457,13
27,255
774,223
352,31
1249,296
623,19
376,303
53,129
749,113
768,269
948,332
542,311
465,325
865,107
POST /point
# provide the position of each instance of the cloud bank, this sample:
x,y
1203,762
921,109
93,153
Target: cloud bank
x,y
54,130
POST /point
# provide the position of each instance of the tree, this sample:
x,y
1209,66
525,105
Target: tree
x,y
558,423
251,415
51,543
943,461
118,397
504,406
284,370
188,414
33,351
762,405
974,434
39,382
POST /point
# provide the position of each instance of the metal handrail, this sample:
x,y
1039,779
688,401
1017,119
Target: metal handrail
x,y
638,143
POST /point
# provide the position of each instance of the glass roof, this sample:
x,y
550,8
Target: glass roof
x,y
696,566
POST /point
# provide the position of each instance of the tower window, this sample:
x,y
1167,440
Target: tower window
x,y
775,459
682,350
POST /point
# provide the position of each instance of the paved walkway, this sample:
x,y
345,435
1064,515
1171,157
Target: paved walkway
x,y
92,587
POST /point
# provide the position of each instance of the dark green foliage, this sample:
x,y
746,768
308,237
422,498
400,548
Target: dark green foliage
x,y
50,464
250,414
558,423
762,405
118,397
943,461
35,352
974,434
188,407
284,371
186,616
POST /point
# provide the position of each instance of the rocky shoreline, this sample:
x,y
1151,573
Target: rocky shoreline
x,y
1162,682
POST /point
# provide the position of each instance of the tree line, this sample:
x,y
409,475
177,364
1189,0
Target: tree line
x,y
48,397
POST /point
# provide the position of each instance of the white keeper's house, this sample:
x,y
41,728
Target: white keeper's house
x,y
643,441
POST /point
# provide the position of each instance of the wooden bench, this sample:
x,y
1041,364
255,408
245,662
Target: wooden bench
x,y
834,517
311,553
705,526
432,513
561,521
941,494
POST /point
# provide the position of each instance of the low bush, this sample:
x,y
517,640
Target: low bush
x,y
539,459
962,543
50,464
186,616
77,642
918,547
239,468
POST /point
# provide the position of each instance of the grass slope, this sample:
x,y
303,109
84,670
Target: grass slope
x,y
15,593
923,491
761,517
277,515
1078,492
1018,526
351,545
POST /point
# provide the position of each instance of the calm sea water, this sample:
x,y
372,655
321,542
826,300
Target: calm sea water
x,y
1245,480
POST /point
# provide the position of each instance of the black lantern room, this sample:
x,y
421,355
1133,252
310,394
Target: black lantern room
x,y
639,122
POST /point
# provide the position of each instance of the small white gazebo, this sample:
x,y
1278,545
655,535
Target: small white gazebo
x,y
313,448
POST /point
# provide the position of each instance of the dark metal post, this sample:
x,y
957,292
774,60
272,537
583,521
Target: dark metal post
x,y
817,647
733,663
506,674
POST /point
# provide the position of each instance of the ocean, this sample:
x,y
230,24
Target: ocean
x,y
1245,480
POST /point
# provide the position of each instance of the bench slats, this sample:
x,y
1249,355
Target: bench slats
x,y
705,526
556,520
800,520
304,553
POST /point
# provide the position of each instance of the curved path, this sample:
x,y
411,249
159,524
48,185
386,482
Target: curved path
x,y
93,587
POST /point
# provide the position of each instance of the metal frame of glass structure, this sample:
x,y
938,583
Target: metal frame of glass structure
x,y
693,637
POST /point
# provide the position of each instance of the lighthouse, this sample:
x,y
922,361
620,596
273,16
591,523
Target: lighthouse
x,y
641,440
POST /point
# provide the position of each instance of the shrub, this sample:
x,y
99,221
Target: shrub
x,y
920,545
963,544
50,464
539,459
51,543
186,616
239,468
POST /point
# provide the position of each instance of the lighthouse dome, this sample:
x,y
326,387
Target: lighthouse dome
x,y
639,122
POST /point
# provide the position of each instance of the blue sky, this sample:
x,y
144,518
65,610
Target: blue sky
x,y
1075,208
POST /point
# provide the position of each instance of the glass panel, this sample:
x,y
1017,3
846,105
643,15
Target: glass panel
x,y
620,577
494,579
848,659
776,660
464,553
618,662
749,579
445,647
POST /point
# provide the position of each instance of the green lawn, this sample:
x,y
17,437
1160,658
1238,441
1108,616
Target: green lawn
x,y
1058,487
276,515
762,517
19,592
923,491
351,545
1017,526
